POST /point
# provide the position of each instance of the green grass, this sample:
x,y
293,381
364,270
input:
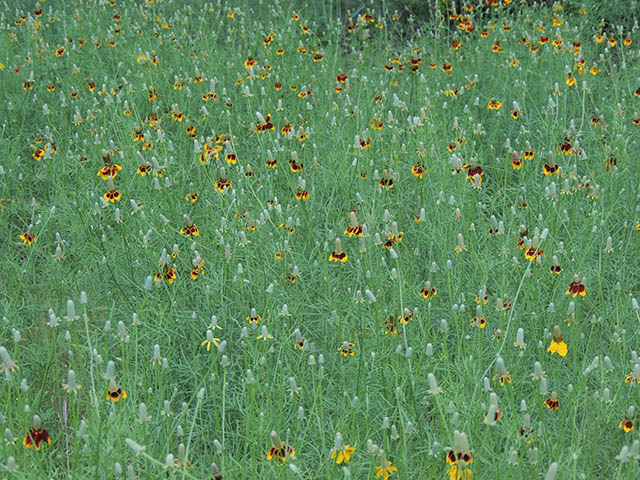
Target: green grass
x,y
221,405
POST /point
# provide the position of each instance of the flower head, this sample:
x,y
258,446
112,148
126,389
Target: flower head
x,y
460,246
338,255
341,453
632,377
36,435
494,104
354,227
279,450
418,170
576,288
346,349
114,392
557,345
168,274
28,238
253,317
109,169
72,386
460,457
502,376
8,366
626,424
385,469
264,333
390,326
433,385
480,322
210,340
428,292
112,195
552,402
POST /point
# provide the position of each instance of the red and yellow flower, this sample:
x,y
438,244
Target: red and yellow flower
x,y
576,288
114,392
35,437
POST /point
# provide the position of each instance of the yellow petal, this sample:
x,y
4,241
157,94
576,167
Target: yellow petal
x,y
562,349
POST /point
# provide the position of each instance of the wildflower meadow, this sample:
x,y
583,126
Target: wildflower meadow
x,y
319,240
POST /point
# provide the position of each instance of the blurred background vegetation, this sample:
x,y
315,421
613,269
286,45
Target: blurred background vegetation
x,y
422,13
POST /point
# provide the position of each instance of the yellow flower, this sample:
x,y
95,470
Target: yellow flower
x,y
494,104
558,347
386,471
626,424
210,339
456,473
28,238
343,455
115,393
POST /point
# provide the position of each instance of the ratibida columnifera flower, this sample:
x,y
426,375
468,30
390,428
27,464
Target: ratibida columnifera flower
x,y
433,385
502,375
8,366
494,414
486,385
143,416
71,386
71,311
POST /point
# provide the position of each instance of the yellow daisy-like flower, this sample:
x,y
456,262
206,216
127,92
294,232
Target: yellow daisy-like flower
x,y
28,238
342,455
626,424
338,257
494,104
114,392
210,340
386,471
557,345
